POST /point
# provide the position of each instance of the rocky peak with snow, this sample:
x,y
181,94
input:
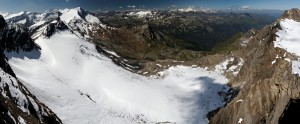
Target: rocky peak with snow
x,y
78,20
268,82
77,14
52,27
291,14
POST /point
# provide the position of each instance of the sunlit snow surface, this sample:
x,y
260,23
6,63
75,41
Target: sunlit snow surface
x,y
84,87
289,39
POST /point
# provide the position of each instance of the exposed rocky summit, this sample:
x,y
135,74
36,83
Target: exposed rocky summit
x,y
267,85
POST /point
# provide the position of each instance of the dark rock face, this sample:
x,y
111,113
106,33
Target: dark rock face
x,y
291,113
52,27
265,88
13,38
16,102
2,22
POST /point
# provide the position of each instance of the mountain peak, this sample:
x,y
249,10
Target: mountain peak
x,y
79,14
79,9
292,14
69,14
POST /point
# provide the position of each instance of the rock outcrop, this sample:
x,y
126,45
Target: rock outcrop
x,y
14,38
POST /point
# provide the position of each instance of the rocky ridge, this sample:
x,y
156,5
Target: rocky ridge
x,y
266,83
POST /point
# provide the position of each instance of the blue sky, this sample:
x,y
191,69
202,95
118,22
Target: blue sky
x,y
42,5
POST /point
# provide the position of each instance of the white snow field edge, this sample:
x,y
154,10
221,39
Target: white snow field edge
x,y
289,39
84,87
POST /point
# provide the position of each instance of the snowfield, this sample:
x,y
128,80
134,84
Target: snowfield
x,y
289,39
84,87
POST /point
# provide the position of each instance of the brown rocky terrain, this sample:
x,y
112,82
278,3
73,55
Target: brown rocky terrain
x,y
141,46
265,90
147,45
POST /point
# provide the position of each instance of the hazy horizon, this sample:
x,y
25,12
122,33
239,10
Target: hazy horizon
x,y
42,5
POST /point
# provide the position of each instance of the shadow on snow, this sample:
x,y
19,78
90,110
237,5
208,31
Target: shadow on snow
x,y
34,54
204,100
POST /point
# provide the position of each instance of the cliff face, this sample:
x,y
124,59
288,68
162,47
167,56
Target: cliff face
x,y
266,81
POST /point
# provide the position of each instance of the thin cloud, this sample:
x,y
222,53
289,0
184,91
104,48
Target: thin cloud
x,y
246,7
67,0
131,6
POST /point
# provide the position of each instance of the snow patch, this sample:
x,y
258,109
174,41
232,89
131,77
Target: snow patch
x,y
234,69
111,53
12,117
244,43
240,100
92,19
9,16
287,59
274,61
158,65
23,21
296,67
240,120
140,14
37,24
21,120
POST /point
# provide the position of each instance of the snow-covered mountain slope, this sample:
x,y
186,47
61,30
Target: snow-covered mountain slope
x,y
82,86
79,14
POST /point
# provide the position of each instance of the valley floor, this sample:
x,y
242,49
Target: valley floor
x,y
82,86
